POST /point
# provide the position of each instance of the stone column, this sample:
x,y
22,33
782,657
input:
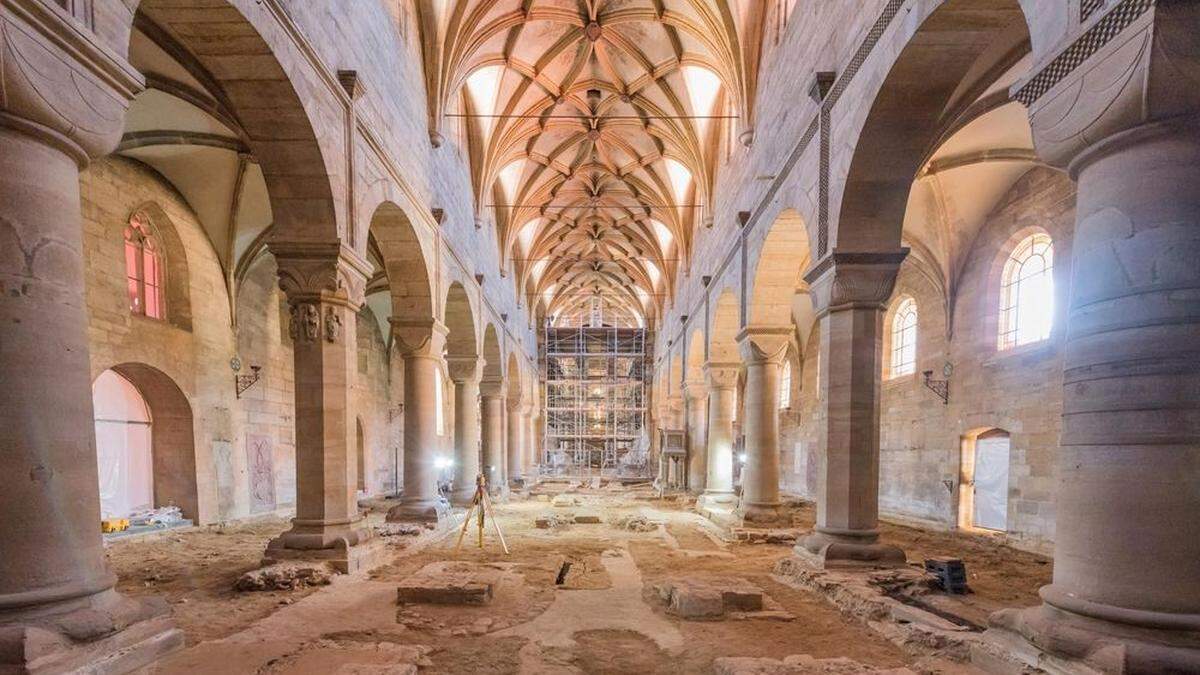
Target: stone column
x,y
696,411
722,388
515,452
676,471
421,344
324,284
63,97
492,395
1125,595
465,373
763,350
531,446
850,291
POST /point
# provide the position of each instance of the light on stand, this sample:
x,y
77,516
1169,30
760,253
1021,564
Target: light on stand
x,y
742,458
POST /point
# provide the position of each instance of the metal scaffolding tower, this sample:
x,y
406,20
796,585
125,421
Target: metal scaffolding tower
x,y
594,388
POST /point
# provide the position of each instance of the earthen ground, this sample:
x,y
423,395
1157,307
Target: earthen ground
x,y
532,625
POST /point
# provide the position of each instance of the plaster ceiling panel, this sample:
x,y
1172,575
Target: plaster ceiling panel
x,y
149,58
1009,78
157,110
588,121
1005,127
254,209
380,305
967,196
205,177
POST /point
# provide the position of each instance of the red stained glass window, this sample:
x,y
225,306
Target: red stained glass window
x,y
144,272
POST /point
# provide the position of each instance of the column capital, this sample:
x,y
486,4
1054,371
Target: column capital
x,y
419,338
695,390
60,82
764,344
1133,66
327,272
464,368
854,279
721,374
493,387
517,404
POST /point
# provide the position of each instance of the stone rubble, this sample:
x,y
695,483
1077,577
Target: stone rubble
x,y
861,595
799,664
751,535
636,523
388,530
284,577
565,501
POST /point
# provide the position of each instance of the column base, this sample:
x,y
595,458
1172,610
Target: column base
x,y
347,547
1059,641
823,549
764,515
462,498
106,633
420,511
719,507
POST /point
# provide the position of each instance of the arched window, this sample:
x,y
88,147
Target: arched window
x,y
144,271
785,385
1027,292
904,338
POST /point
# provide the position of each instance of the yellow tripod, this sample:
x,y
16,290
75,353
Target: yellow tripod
x,y
480,501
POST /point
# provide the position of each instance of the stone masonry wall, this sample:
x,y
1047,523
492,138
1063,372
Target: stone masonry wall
x,y
238,442
1017,390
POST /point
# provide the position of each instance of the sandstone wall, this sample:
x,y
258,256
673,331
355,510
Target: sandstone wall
x,y
238,442
1017,390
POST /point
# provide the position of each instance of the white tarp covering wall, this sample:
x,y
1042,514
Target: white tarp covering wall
x,y
122,446
991,482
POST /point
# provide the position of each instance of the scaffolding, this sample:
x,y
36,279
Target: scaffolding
x,y
594,389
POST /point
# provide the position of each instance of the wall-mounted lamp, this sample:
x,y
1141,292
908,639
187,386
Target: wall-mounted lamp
x,y
940,387
243,382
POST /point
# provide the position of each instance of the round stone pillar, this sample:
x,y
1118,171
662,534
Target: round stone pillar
x,y
515,452
763,351
1126,587
531,446
850,291
465,373
1125,595
696,412
63,100
722,391
492,397
421,344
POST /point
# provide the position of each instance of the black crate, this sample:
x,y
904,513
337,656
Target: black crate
x,y
949,574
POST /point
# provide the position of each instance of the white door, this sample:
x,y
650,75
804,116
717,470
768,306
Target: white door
x,y
991,482
123,455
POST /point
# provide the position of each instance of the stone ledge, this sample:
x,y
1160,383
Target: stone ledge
x,y
450,583
860,594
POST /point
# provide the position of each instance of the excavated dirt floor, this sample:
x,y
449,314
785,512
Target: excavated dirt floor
x,y
606,616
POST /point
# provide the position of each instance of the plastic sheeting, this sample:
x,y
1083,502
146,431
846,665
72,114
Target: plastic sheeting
x,y
123,452
991,482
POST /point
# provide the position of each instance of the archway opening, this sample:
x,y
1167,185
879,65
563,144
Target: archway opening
x,y
983,480
145,443
124,454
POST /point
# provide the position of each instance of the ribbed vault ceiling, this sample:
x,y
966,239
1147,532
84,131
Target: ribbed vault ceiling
x,y
593,130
